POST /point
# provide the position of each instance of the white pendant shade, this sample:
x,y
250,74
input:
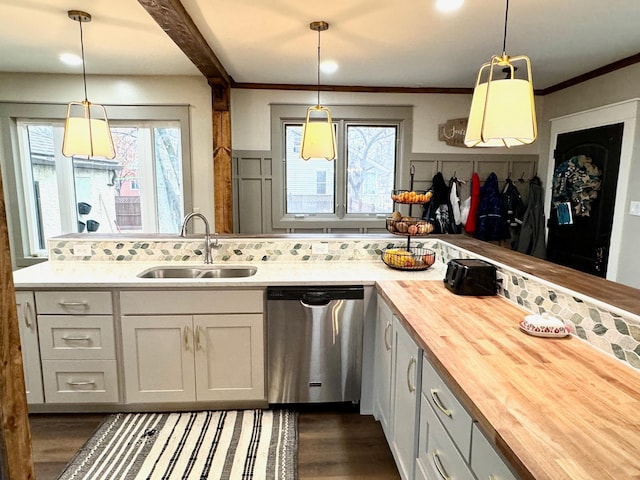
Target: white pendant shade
x,y
86,131
502,114
318,138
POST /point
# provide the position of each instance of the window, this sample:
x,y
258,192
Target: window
x,y
321,183
142,190
303,195
371,163
353,191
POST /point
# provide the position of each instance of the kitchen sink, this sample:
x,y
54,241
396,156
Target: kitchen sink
x,y
198,272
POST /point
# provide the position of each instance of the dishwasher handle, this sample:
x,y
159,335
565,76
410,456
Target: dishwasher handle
x,y
315,298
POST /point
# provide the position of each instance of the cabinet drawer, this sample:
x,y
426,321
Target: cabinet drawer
x,y
192,302
66,337
85,381
448,409
438,457
74,303
485,461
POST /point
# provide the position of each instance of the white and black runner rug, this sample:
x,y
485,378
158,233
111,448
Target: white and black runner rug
x,y
220,445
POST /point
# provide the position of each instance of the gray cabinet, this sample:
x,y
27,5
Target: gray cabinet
x,y
383,366
405,396
188,346
28,327
450,444
77,347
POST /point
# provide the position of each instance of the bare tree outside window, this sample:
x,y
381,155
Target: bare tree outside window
x,y
371,160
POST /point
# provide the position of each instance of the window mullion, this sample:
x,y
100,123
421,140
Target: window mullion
x,y
26,173
147,180
66,184
341,171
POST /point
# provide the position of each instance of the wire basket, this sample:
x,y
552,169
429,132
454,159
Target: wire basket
x,y
411,196
409,226
412,258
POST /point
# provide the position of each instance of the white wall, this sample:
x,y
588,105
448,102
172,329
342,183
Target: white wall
x,y
250,116
140,90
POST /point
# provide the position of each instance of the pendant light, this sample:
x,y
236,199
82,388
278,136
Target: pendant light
x,y
502,109
318,138
86,130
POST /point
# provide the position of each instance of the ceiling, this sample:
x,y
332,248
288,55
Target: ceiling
x,y
399,43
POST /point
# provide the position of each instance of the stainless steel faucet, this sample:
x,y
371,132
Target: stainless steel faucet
x,y
207,234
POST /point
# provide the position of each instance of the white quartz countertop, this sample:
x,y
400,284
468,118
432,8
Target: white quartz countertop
x,y
74,274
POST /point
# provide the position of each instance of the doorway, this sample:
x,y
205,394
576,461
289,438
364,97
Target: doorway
x,y
586,166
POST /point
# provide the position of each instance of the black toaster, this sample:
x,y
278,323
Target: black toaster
x,y
470,276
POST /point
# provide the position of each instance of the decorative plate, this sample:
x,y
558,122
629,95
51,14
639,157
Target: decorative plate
x,y
544,330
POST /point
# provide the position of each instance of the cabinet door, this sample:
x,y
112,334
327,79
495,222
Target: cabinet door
x,y
383,370
229,357
438,457
406,389
158,357
486,462
30,349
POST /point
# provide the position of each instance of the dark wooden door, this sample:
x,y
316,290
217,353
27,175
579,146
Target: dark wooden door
x,y
584,244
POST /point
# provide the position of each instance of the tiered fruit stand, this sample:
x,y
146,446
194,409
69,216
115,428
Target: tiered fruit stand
x,y
409,258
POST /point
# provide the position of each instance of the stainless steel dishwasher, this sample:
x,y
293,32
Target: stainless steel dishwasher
x,y
314,344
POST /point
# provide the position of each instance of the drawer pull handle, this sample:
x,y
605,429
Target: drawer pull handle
x,y
412,388
72,304
439,467
438,402
81,383
28,314
387,343
198,344
185,338
71,338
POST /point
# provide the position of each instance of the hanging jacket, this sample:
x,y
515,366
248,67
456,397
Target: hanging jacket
x,y
472,218
531,240
454,201
438,210
512,210
512,204
491,224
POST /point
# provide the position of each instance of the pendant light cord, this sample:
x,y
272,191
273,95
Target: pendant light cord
x,y
318,67
504,38
84,71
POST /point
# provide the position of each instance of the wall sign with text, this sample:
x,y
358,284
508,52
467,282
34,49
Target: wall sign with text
x,y
453,132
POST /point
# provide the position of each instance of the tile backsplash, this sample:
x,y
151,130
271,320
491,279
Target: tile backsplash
x,y
605,327
236,250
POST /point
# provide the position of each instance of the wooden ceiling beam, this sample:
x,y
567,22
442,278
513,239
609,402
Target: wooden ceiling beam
x,y
178,24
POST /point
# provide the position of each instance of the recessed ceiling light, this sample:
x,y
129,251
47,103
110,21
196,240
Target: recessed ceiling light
x,y
448,5
70,59
328,66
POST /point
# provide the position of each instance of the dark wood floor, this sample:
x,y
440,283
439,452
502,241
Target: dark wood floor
x,y
333,445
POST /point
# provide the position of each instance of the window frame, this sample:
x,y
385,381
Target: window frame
x,y
12,170
281,115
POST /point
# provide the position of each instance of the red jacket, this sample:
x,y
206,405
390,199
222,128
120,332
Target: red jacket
x,y
470,226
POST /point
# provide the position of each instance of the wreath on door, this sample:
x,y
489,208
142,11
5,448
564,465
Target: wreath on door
x,y
577,181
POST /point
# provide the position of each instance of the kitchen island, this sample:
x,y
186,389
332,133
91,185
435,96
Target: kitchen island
x,y
554,408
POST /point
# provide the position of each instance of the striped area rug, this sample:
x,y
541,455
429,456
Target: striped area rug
x,y
218,445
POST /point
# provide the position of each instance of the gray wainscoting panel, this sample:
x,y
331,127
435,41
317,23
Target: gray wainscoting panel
x,y
253,183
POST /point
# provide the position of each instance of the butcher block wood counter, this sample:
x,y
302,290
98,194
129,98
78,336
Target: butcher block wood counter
x,y
555,408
